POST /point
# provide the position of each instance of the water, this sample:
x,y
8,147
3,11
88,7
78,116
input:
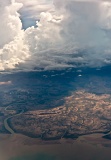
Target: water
x,y
40,156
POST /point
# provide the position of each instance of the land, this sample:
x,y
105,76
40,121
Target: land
x,y
56,112
82,113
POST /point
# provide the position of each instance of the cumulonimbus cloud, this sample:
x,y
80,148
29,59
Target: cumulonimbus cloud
x,y
71,34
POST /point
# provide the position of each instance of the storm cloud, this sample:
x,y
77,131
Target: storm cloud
x,y
67,34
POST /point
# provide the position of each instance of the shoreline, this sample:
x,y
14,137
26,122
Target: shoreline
x,y
58,141
19,146
66,136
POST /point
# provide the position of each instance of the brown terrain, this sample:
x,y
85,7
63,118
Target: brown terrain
x,y
82,113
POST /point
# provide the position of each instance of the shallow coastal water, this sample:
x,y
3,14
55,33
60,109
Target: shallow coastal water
x,y
19,147
40,156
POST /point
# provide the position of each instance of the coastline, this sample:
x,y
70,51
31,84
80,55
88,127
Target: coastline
x,y
18,145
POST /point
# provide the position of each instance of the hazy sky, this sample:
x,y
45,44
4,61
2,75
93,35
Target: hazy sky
x,y
69,33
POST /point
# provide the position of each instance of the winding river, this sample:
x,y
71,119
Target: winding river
x,y
6,125
11,131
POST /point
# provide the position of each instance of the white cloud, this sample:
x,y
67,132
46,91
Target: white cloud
x,y
12,47
69,34
33,8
